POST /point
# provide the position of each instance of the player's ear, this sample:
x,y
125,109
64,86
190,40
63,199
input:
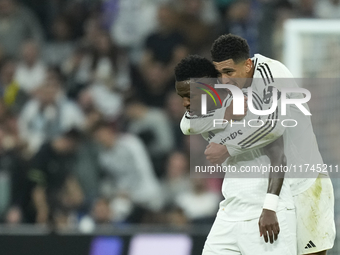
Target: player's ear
x,y
248,65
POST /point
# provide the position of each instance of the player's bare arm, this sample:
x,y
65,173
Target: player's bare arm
x,y
268,223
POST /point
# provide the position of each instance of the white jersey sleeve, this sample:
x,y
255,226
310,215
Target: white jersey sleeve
x,y
194,125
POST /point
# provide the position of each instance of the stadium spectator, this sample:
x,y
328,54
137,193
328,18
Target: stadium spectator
x,y
100,214
100,62
87,170
76,77
18,196
176,217
45,11
128,171
17,24
206,10
55,191
106,63
76,67
60,46
131,33
197,31
76,12
153,128
100,98
12,168
199,205
11,93
92,28
152,86
31,71
177,180
240,19
166,45
48,115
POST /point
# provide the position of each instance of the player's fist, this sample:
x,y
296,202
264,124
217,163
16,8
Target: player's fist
x,y
216,153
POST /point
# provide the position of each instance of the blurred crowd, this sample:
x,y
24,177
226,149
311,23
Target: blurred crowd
x,y
89,118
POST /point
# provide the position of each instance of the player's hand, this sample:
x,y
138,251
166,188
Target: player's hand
x,y
228,115
216,153
269,225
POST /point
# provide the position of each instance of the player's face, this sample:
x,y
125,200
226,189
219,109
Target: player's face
x,y
191,96
234,73
183,90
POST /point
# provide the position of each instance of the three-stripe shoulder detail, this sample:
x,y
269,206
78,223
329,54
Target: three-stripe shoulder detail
x,y
261,132
257,101
266,73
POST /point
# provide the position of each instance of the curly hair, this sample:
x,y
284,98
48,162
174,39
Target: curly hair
x,y
194,66
230,47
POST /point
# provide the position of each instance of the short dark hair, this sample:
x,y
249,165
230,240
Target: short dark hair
x,y
230,47
102,124
194,66
73,134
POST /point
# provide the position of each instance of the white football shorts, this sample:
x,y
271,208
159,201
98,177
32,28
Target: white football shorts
x,y
315,217
243,237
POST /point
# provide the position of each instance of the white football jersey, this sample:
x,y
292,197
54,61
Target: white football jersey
x,y
300,144
244,197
